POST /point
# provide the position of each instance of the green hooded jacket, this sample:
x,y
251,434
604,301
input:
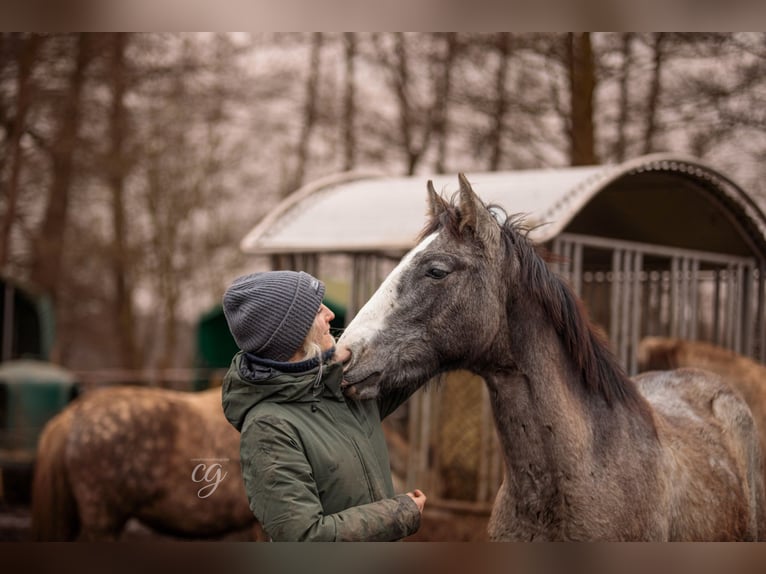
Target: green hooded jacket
x,y
315,464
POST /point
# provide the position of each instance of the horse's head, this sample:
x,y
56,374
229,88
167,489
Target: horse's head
x,y
439,309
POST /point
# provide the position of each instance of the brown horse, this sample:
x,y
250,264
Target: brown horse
x,y
747,376
167,458
589,454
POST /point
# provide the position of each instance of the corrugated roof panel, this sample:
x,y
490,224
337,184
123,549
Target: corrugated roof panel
x,y
355,212
387,213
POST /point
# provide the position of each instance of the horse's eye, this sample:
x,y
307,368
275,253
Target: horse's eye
x,y
437,273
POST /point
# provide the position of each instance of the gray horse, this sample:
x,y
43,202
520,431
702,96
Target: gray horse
x,y
589,454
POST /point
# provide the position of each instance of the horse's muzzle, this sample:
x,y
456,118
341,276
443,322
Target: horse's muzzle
x,y
366,388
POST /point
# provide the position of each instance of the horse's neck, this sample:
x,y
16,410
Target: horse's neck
x,y
545,422
536,405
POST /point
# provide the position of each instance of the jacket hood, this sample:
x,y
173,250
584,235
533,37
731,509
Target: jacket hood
x,y
248,383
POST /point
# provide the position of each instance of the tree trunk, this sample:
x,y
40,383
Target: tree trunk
x,y
441,105
405,113
349,103
29,50
622,121
582,81
309,113
503,43
46,265
117,168
49,245
654,93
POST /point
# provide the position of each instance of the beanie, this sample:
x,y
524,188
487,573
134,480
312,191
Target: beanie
x,y
270,313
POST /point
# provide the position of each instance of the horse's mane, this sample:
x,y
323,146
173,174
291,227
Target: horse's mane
x,y
600,372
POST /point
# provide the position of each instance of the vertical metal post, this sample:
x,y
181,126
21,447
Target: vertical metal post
x,y
413,428
738,309
717,307
635,331
761,314
625,314
485,435
576,277
748,276
693,296
730,306
674,305
8,321
614,309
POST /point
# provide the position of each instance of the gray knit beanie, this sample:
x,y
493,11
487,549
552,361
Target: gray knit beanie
x,y
271,313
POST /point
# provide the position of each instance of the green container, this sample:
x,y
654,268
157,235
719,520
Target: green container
x,y
31,393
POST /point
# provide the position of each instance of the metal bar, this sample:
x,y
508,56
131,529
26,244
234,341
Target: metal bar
x,y
760,315
625,314
674,270
738,309
693,298
425,443
635,331
729,318
576,279
683,298
717,306
413,424
614,308
482,491
748,277
610,244
497,462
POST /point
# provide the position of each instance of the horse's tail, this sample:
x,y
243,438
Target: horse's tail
x,y
54,508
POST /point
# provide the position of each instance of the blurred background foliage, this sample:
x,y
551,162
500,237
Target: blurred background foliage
x,y
131,165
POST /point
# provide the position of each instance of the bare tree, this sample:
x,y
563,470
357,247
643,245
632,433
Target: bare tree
x,y
624,102
47,255
349,102
117,163
442,95
414,112
653,100
29,46
582,82
503,44
309,113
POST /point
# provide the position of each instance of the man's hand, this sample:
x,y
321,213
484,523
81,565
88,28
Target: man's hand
x,y
419,498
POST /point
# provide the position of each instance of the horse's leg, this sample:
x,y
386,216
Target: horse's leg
x,y
744,444
101,525
100,519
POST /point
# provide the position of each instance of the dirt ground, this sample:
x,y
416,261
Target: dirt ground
x,y
437,525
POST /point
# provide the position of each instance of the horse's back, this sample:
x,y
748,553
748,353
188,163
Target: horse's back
x,y
715,479
132,452
747,376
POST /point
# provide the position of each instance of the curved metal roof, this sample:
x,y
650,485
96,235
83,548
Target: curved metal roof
x,y
368,212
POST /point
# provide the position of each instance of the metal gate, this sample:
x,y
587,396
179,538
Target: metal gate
x,y
634,290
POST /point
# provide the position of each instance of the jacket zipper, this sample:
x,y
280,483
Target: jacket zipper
x,y
364,470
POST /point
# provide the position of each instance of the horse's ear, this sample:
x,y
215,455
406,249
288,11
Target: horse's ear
x,y
436,204
474,215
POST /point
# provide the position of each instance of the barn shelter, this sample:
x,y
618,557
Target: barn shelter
x,y
672,246
657,245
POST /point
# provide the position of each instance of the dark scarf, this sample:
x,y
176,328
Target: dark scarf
x,y
286,367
